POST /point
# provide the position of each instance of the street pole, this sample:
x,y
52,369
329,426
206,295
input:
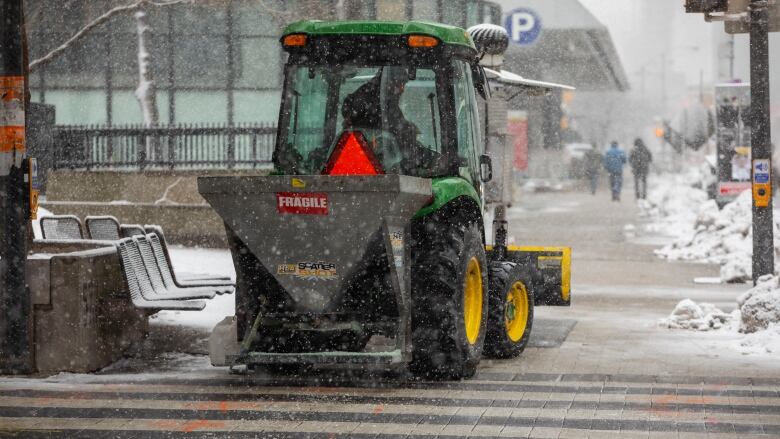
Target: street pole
x,y
15,346
731,58
763,239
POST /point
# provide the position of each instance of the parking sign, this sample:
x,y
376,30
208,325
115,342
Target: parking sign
x,y
524,26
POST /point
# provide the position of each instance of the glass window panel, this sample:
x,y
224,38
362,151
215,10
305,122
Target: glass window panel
x,y
126,110
200,107
472,13
425,10
200,61
253,18
361,9
453,12
259,63
82,65
62,17
208,18
36,95
256,106
391,9
399,117
491,13
124,59
78,107
156,19
467,117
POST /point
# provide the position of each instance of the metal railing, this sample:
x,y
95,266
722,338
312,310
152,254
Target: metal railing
x,y
166,147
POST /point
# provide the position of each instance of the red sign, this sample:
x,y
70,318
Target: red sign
x,y
517,128
302,203
734,188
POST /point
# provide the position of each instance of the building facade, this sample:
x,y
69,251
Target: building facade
x,y
212,61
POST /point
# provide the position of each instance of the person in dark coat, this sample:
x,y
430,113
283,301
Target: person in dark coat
x,y
640,160
614,161
593,161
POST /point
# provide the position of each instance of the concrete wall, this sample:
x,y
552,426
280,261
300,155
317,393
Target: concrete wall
x,y
166,198
83,316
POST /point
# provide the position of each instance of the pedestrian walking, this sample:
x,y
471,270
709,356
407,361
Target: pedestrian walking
x,y
614,161
593,163
640,160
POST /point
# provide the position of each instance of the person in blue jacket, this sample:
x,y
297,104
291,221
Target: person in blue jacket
x,y
614,161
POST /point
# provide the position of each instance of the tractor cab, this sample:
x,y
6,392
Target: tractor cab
x,y
373,104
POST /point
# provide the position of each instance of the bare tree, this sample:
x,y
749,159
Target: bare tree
x,y
146,93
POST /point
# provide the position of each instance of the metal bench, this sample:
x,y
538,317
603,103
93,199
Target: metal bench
x,y
164,289
102,228
129,230
161,251
61,227
139,284
219,286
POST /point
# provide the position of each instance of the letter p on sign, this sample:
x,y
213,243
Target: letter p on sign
x,y
523,26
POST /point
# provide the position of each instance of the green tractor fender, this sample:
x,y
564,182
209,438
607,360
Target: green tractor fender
x,y
456,193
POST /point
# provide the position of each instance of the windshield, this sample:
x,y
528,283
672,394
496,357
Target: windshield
x,y
395,108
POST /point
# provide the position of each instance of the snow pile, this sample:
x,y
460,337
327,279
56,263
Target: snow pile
x,y
762,342
672,201
760,306
700,317
757,317
722,237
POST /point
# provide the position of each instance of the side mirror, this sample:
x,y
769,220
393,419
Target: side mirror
x,y
485,168
481,83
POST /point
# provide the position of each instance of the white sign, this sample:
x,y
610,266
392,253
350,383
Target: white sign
x,y
761,171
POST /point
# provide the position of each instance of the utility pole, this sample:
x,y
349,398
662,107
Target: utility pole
x,y
731,57
15,346
763,234
663,81
753,17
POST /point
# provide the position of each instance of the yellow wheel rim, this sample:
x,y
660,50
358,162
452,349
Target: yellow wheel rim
x,y
516,311
472,300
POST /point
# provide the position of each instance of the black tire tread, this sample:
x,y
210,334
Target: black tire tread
x,y
436,281
502,276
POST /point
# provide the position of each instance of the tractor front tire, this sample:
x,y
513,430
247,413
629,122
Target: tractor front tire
x,y
449,300
511,312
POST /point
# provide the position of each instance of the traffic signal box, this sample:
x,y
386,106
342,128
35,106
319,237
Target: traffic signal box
x,y
706,6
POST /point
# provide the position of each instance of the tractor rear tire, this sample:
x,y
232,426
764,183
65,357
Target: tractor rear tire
x,y
449,300
511,310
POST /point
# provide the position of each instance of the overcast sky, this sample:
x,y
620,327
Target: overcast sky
x,y
644,30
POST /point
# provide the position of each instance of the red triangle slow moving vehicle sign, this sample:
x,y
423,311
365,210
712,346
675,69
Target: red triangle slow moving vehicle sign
x,y
352,156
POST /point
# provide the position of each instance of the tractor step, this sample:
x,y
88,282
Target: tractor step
x,y
377,358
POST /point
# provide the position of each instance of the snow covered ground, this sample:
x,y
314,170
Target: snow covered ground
x,y
201,261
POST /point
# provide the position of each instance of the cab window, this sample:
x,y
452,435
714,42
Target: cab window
x,y
467,118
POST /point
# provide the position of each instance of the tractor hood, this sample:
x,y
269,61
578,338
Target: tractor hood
x,y
311,232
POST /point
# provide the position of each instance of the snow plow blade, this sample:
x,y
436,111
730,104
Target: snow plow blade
x,y
552,265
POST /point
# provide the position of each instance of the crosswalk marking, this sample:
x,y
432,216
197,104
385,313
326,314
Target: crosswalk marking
x,y
486,407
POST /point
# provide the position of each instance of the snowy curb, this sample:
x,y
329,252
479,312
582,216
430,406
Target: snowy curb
x,y
757,318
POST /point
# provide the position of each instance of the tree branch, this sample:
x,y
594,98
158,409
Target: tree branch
x,y
132,7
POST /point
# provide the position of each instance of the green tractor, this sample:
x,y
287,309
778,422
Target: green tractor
x,y
374,220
